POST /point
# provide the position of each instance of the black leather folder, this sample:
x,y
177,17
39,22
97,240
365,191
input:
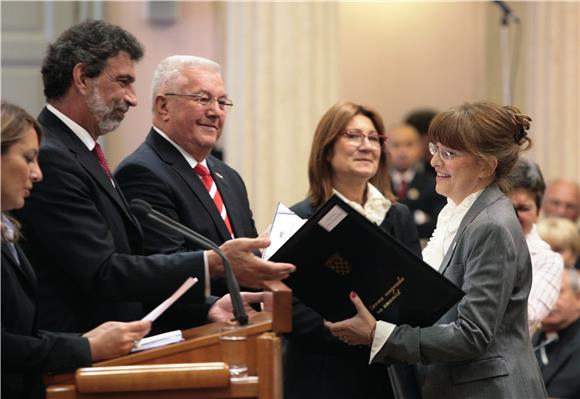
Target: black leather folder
x,y
338,250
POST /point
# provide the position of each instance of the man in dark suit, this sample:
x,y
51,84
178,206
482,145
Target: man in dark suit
x,y
81,237
413,183
189,111
557,346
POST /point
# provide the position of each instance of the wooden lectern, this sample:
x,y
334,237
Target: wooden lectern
x,y
193,368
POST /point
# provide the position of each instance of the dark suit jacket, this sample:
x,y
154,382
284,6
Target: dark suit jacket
x,y
480,348
562,373
157,173
422,196
316,364
26,351
86,245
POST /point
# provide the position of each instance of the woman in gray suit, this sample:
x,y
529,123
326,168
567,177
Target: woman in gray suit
x,y
481,347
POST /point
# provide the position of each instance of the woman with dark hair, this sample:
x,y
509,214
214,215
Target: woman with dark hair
x,y
347,158
527,190
26,351
481,347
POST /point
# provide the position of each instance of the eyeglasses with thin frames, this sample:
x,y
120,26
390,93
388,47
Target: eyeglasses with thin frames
x,y
356,137
207,100
445,155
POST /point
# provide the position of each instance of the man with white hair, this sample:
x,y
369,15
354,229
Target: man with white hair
x,y
173,169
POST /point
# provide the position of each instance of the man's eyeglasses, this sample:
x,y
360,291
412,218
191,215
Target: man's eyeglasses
x,y
357,137
446,155
206,100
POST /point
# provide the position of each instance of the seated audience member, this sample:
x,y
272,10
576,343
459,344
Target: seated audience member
x,y
563,237
562,200
420,120
80,234
27,352
413,183
480,348
557,346
527,189
346,159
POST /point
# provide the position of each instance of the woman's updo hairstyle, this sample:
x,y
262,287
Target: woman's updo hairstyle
x,y
486,130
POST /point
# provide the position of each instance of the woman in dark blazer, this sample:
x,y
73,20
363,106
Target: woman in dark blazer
x,y
480,348
27,352
347,158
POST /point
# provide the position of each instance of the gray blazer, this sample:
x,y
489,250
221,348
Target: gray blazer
x,y
481,347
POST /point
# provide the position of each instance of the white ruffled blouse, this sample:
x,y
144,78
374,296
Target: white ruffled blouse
x,y
375,208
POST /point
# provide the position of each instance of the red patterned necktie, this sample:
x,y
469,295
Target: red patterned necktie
x,y
98,152
211,188
403,187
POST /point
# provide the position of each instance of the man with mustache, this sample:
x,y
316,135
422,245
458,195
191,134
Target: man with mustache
x,y
86,245
173,169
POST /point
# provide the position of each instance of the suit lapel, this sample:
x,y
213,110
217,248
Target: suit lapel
x,y
170,155
85,158
486,198
22,266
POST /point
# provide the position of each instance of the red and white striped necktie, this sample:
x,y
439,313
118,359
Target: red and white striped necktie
x,y
211,188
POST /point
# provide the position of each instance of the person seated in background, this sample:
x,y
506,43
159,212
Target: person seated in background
x,y
557,345
563,237
28,352
527,189
347,158
413,183
562,199
481,347
420,120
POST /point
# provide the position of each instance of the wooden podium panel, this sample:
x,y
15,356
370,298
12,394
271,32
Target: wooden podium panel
x,y
192,368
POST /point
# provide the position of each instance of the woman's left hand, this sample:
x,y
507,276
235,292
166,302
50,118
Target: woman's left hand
x,y
358,330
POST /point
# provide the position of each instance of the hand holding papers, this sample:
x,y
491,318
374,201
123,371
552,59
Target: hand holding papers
x,y
169,337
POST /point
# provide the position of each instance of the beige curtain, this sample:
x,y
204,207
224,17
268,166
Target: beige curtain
x,y
552,86
281,72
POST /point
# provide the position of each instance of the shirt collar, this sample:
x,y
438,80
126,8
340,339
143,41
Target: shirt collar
x,y
190,160
8,228
376,206
77,129
399,176
535,242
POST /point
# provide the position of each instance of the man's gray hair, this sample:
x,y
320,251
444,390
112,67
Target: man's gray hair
x,y
168,74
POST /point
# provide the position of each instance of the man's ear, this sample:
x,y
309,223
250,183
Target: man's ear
x,y
80,79
161,107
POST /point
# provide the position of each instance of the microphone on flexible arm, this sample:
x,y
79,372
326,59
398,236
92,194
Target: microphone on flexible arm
x,y
142,207
507,11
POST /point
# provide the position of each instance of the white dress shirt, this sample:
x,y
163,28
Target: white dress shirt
x,y
547,268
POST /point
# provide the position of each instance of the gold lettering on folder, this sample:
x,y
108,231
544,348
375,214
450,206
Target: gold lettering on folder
x,y
338,264
388,297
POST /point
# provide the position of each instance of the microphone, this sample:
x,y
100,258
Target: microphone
x,y
507,11
144,208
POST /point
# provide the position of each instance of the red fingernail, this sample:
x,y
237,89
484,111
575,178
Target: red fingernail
x,y
353,294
